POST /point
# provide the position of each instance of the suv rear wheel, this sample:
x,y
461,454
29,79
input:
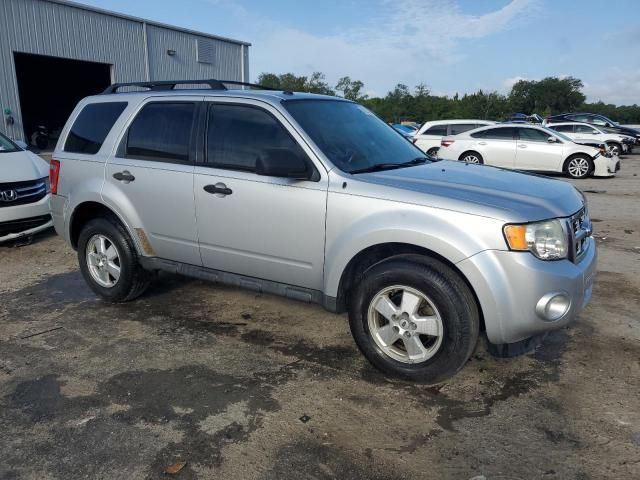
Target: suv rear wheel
x,y
109,261
413,316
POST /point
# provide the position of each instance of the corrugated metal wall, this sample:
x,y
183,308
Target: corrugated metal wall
x,y
47,28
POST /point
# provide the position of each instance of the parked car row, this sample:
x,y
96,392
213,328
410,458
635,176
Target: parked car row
x,y
529,147
561,144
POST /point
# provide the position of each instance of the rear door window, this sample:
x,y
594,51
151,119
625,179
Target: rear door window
x,y
461,127
562,128
438,130
503,133
92,126
162,132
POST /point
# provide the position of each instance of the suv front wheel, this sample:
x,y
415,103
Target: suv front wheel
x,y
413,316
109,261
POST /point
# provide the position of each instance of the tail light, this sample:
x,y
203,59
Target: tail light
x,y
446,143
54,175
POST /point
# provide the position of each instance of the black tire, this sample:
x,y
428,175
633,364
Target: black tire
x,y
448,292
433,151
133,279
613,146
578,159
470,154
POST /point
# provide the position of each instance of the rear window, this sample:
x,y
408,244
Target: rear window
x,y
92,126
504,133
161,132
462,127
439,130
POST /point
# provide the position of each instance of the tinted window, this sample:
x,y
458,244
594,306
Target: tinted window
x,y
92,126
505,133
562,128
161,131
439,130
585,129
580,118
238,135
533,135
462,127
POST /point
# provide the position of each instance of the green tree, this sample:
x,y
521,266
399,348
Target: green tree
x,y
351,89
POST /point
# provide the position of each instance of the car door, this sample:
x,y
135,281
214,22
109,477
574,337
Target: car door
x,y
585,132
535,152
265,227
497,146
150,179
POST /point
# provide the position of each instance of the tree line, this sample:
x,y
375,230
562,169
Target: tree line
x,y
549,96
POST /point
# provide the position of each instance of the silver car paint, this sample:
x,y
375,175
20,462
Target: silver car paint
x,y
453,209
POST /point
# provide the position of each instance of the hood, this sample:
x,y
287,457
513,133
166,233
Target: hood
x,y
21,166
480,190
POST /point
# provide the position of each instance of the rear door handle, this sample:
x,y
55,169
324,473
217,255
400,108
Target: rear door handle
x,y
219,189
482,143
521,146
124,176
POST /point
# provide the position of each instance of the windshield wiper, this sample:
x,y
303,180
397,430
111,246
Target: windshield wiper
x,y
379,167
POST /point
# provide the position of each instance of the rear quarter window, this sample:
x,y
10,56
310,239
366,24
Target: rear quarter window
x,y
438,130
92,126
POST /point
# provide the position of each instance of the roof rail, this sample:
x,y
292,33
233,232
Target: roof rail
x,y
171,85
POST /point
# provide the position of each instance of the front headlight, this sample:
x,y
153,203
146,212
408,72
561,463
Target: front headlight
x,y
546,240
47,186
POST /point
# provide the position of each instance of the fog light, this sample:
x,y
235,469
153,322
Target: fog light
x,y
553,306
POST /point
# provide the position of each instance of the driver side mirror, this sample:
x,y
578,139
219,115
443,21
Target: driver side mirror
x,y
595,132
551,139
608,124
283,163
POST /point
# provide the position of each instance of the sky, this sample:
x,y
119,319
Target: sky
x,y
452,46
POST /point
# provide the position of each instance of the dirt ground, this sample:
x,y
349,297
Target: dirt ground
x,y
247,386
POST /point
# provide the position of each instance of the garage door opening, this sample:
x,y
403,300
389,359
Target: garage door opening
x,y
50,88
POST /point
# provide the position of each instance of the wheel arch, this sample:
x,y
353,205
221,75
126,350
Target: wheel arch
x,y
374,254
466,152
88,210
578,154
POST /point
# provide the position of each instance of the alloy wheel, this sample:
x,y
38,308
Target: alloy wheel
x,y
578,167
405,324
103,260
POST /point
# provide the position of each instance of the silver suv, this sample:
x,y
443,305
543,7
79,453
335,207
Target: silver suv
x,y
316,199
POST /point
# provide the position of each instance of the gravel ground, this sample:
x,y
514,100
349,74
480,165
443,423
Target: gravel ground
x,y
249,386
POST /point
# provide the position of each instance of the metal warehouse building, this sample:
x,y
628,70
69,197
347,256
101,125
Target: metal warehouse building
x,y
55,52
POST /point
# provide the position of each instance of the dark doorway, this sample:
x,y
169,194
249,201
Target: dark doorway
x,y
50,88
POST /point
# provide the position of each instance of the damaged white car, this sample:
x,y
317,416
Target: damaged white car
x,y
531,148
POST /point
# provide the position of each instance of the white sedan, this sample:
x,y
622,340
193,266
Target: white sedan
x,y
428,137
580,132
529,147
24,192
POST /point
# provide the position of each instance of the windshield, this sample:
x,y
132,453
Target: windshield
x,y
352,137
6,145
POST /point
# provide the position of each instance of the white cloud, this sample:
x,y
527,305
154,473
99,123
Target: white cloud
x,y
620,86
407,40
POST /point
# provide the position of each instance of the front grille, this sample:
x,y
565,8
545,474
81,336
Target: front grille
x,y
579,232
20,193
17,226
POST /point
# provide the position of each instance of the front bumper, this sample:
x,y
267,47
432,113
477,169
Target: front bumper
x,y
24,220
510,285
606,166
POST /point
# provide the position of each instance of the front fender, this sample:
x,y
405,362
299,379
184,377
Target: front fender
x,y
355,223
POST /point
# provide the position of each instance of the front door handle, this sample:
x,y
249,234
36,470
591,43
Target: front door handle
x,y
124,176
219,189
522,146
482,143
